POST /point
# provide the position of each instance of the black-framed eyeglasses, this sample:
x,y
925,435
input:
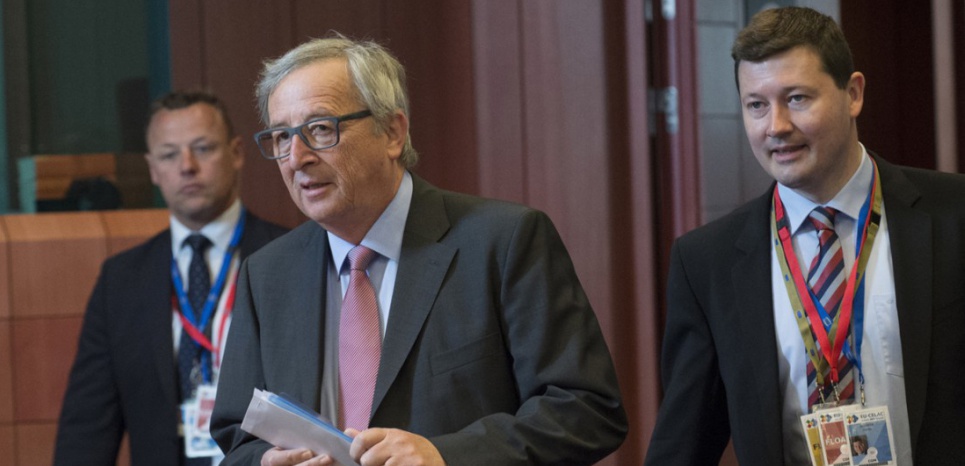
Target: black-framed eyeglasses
x,y
319,133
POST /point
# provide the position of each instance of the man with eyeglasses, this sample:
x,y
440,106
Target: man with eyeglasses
x,y
154,330
469,339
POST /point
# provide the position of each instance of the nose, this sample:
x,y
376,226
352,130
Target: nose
x,y
780,122
300,154
187,162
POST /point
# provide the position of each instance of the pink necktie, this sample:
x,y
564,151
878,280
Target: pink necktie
x,y
359,343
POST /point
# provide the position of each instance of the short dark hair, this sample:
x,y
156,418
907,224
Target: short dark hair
x,y
777,30
182,99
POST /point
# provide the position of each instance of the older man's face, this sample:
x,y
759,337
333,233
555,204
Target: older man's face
x,y
344,188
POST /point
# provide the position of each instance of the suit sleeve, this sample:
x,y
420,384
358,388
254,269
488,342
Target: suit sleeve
x,y
91,424
692,427
570,410
241,370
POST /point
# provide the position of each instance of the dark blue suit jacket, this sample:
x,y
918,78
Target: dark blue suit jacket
x,y
125,377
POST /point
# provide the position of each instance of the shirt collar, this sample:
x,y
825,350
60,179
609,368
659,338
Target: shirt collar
x,y
385,236
848,201
218,231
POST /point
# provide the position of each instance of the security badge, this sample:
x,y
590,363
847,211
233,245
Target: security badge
x,y
196,423
849,435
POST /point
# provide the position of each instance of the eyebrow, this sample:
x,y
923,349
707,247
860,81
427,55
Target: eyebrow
x,y
311,116
783,90
171,145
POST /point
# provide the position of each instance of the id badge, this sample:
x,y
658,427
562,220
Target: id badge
x,y
196,424
870,436
834,436
812,434
826,436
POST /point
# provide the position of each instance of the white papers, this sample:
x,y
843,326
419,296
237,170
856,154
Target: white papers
x,y
283,423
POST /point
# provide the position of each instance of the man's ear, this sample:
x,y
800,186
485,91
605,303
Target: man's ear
x,y
150,169
237,151
397,131
855,90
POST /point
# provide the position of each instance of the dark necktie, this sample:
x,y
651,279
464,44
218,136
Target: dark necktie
x,y
826,277
189,352
199,283
359,343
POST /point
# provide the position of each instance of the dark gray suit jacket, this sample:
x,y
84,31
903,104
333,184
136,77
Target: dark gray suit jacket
x,y
491,350
719,362
124,377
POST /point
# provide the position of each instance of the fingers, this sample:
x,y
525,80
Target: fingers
x,y
300,456
364,441
278,457
377,447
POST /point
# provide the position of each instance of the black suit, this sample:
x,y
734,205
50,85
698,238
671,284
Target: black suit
x,y
720,367
125,376
491,350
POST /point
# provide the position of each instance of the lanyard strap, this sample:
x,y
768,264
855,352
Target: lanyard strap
x,y
211,301
197,335
831,334
195,328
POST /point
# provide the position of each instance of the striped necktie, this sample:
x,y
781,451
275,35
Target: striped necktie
x,y
827,278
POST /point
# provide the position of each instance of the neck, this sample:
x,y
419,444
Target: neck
x,y
195,221
354,229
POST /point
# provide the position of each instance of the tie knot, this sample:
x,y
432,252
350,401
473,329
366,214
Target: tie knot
x,y
823,218
198,243
359,257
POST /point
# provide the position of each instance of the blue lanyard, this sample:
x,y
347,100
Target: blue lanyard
x,y
214,294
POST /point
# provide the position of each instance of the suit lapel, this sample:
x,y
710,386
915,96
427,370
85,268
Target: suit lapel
x,y
304,305
157,314
422,266
911,251
751,278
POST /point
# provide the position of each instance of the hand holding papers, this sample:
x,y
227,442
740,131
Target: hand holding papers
x,y
281,422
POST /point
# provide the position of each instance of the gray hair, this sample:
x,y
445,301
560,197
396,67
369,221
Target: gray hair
x,y
378,78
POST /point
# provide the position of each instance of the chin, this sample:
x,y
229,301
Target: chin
x,y
315,212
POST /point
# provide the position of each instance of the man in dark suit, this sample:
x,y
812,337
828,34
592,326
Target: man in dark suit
x,y
483,348
125,376
741,321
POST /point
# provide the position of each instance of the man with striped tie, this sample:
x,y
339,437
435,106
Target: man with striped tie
x,y
840,288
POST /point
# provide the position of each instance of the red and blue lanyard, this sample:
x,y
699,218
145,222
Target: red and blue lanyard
x,y
813,320
182,304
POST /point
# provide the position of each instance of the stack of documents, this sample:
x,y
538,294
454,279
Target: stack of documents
x,y
283,423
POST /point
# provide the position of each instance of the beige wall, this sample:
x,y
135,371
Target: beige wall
x,y
48,266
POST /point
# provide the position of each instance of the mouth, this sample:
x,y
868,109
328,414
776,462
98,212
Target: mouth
x,y
787,151
191,189
314,188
